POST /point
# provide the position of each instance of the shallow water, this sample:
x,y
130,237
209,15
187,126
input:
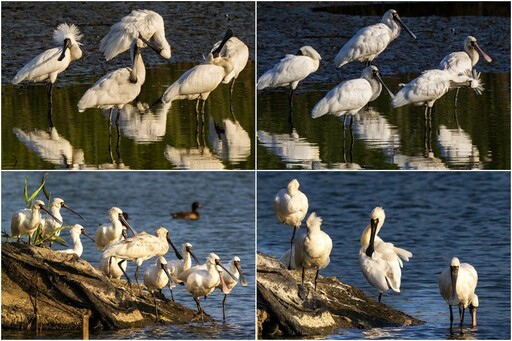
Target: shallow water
x,y
475,136
151,136
148,198
435,215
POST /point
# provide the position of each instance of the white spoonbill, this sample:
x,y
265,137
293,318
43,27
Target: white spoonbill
x,y
457,285
291,70
119,87
432,85
113,232
156,278
47,65
201,282
141,23
50,225
290,207
177,266
26,221
381,262
139,248
370,41
111,268
198,82
75,233
235,268
313,248
349,97
238,54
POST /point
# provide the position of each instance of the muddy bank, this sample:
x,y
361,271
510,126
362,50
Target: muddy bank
x,y
334,305
46,290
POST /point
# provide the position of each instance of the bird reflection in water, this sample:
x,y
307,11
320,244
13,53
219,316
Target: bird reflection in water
x,y
229,140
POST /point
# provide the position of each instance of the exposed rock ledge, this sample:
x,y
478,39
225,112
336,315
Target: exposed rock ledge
x,y
44,289
281,312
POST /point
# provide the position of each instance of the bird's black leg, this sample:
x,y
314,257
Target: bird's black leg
x,y
303,275
124,272
456,97
316,277
451,319
380,296
224,308
50,104
291,249
137,279
461,314
156,308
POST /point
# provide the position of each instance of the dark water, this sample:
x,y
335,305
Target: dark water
x,y
475,136
435,215
151,137
226,227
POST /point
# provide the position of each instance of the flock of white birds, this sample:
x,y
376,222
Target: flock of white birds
x,y
381,262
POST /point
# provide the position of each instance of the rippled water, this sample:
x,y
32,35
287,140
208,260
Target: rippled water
x,y
152,136
226,227
475,136
435,215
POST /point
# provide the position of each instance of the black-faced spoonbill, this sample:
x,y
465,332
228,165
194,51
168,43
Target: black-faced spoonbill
x,y
117,88
349,97
143,24
113,232
47,65
26,221
201,282
457,285
50,225
188,215
238,53
370,41
156,278
432,85
235,268
290,71
139,248
178,266
381,262
198,82
313,248
75,233
290,207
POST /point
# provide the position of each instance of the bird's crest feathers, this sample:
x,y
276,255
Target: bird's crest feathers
x,y
64,31
313,221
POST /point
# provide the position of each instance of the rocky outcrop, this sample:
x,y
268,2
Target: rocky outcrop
x,y
44,289
286,308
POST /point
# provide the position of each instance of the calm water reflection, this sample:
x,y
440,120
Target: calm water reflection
x,y
147,129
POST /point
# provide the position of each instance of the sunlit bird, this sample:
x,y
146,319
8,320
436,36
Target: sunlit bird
x,y
313,248
198,82
381,262
47,65
75,233
139,248
110,267
112,232
432,85
290,207
457,285
291,70
349,97
202,282
177,266
156,277
50,225
145,24
235,268
188,215
119,87
370,41
238,54
26,221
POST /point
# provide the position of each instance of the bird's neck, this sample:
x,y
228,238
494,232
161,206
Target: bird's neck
x,y
138,73
473,55
224,63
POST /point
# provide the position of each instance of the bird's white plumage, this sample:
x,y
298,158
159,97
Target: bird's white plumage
x,y
237,52
291,70
26,221
467,280
201,281
291,205
370,41
177,266
148,24
313,247
110,267
110,232
50,225
75,233
155,277
46,66
459,62
383,269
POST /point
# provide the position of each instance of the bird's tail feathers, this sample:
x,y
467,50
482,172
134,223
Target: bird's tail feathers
x,y
320,109
265,81
402,253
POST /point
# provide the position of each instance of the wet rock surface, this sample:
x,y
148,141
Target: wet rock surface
x,y
286,308
44,289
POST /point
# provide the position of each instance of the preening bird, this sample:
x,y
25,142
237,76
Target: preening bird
x,y
188,215
47,65
290,207
457,285
142,23
381,262
370,41
238,54
75,233
26,221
